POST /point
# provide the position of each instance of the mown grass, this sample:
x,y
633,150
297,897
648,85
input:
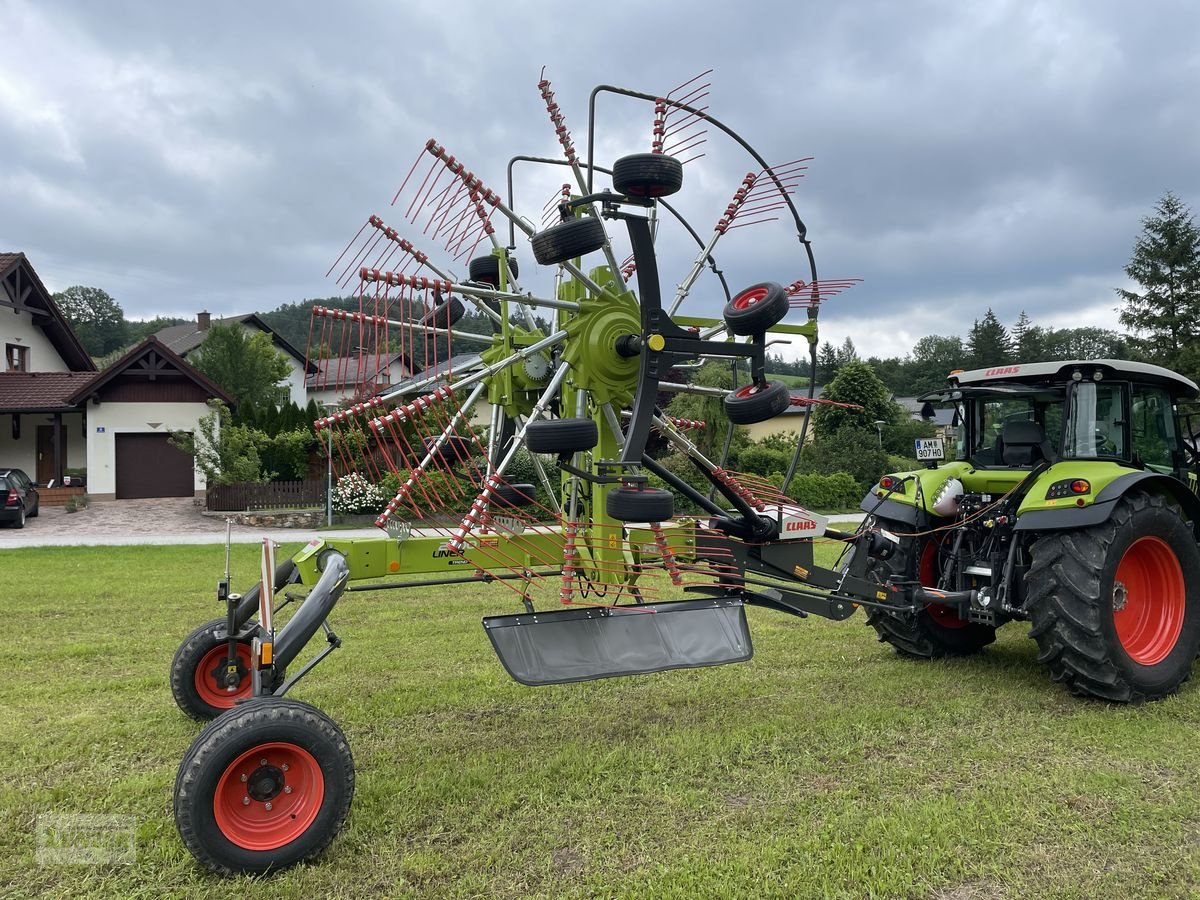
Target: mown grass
x,y
827,766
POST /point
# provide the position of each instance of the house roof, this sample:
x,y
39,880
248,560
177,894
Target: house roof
x,y
21,288
339,372
149,353
185,338
42,391
462,363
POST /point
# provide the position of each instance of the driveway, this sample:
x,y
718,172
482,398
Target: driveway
x,y
167,520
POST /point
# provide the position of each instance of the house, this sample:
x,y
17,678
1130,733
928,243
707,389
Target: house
x,y
339,379
57,412
941,417
186,339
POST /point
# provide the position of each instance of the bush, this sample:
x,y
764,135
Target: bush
x,y
900,438
354,495
760,460
902,463
836,491
286,453
849,449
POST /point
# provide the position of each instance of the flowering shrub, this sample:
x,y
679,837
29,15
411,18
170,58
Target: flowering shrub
x,y
354,495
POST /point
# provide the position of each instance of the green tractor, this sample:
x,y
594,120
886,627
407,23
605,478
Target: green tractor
x,y
1070,502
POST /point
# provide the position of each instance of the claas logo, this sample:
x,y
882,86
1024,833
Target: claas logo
x,y
799,525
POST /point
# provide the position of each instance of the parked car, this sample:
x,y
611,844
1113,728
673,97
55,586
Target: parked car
x,y
18,498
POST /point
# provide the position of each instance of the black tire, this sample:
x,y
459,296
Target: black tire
x,y
756,309
444,315
195,670
454,450
1073,594
19,522
303,748
37,508
647,175
757,402
561,435
486,270
645,505
574,237
513,496
936,631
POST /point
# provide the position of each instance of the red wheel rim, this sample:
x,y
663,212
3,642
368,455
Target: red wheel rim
x,y
206,682
747,391
749,297
946,616
1149,597
278,775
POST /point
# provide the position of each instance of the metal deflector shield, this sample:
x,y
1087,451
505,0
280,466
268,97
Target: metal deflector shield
x,y
602,642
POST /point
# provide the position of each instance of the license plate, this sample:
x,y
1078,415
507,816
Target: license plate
x,y
930,448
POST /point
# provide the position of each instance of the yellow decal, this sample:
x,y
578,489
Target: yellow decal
x,y
880,595
800,572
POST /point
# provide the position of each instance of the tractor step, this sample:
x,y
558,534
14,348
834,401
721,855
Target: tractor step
x,y
602,642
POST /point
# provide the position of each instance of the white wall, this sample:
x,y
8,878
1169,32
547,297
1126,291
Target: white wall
x,y
110,419
295,381
20,328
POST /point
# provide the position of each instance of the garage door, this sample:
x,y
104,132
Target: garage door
x,y
148,466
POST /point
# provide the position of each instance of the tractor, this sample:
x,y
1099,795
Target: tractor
x,y
1069,502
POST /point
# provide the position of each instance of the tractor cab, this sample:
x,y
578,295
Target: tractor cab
x,y
1109,410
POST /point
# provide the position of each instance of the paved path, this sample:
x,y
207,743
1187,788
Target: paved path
x,y
164,521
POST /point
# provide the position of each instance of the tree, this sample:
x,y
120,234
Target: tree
x,y
96,318
847,353
225,453
246,365
857,383
1166,266
1086,342
710,410
988,343
827,363
933,358
1027,340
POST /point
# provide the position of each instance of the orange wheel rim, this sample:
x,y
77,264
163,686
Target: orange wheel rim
x,y
269,796
1149,598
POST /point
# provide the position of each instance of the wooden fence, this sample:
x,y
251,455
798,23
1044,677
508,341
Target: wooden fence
x,y
277,495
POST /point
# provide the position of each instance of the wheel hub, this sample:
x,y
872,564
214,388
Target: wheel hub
x,y
265,783
1120,596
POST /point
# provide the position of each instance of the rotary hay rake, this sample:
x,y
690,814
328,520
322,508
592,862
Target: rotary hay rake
x,y
452,383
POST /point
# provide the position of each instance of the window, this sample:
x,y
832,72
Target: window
x,y
1096,427
16,358
993,413
1152,427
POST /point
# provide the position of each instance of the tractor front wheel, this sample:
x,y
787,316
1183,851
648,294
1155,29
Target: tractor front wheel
x,y
1115,608
936,631
265,786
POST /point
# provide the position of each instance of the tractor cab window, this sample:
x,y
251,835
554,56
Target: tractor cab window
x,y
992,414
1152,427
1096,427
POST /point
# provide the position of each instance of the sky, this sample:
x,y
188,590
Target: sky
x,y
219,156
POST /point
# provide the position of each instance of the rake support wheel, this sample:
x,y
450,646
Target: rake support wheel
x,y
567,240
757,402
640,505
265,786
486,270
1115,608
647,175
756,309
444,315
561,435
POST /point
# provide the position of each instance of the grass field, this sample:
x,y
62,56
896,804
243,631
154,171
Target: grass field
x,y
826,766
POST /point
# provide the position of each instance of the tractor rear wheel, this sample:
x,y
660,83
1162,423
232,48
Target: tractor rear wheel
x,y
263,787
1115,608
936,631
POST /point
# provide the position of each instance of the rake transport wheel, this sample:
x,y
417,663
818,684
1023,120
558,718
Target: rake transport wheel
x,y
936,631
644,505
1115,608
574,237
444,315
265,786
647,175
198,673
757,402
756,309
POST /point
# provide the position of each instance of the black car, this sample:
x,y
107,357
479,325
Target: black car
x,y
18,498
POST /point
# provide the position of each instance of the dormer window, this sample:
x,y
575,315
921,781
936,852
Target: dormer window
x,y
16,358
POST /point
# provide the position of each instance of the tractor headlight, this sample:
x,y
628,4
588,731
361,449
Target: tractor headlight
x,y
945,502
